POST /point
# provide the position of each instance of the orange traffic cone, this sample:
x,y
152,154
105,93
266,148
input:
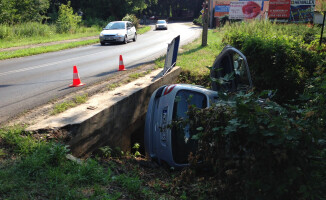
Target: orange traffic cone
x,y
121,65
76,81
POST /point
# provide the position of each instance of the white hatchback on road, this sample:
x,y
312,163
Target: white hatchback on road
x,y
118,31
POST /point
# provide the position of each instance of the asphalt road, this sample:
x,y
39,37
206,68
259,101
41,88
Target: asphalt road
x,y
28,82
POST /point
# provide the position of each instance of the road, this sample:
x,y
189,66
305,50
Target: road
x,y
28,82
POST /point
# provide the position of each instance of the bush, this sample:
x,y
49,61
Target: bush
x,y
91,22
132,18
67,20
28,29
198,21
257,150
278,56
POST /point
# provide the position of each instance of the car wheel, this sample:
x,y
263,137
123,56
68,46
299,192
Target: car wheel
x,y
125,41
135,37
102,43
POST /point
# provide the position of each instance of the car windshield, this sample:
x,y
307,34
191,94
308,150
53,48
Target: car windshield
x,y
116,25
161,22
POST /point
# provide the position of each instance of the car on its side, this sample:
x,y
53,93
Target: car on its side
x,y
172,144
118,32
161,24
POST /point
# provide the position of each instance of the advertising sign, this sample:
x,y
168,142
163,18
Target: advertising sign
x,y
302,10
221,10
245,9
279,9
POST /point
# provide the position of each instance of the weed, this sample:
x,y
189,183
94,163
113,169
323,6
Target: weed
x,y
113,86
136,147
106,151
2,153
143,29
61,107
19,140
132,184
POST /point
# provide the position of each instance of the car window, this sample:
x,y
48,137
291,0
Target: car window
x,y
130,25
161,22
182,144
230,71
116,25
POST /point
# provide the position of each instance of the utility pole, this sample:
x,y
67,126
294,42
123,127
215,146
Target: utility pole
x,y
205,23
322,29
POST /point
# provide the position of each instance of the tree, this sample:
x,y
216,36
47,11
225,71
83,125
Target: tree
x,y
18,11
67,20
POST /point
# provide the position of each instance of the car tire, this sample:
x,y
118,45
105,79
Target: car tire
x,y
125,41
135,37
102,43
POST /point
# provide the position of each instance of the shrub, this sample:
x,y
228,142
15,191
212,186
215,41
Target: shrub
x,y
278,56
198,21
67,20
4,31
90,22
257,150
132,18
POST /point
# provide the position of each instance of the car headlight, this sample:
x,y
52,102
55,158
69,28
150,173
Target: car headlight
x,y
119,34
101,34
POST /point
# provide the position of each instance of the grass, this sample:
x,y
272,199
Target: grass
x,y
61,107
49,48
36,33
193,57
44,49
41,170
143,29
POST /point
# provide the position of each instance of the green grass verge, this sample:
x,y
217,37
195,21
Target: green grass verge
x,y
16,42
194,58
61,107
44,49
51,48
143,30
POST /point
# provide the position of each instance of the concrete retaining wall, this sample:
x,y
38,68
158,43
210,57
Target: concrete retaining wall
x,y
116,115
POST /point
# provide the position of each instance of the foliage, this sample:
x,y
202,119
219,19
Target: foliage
x,y
143,29
132,18
20,11
320,6
313,100
91,22
279,56
198,21
131,183
77,100
67,19
190,78
258,150
19,141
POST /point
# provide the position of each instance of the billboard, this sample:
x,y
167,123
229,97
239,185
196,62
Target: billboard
x,y
279,9
245,9
302,10
221,10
